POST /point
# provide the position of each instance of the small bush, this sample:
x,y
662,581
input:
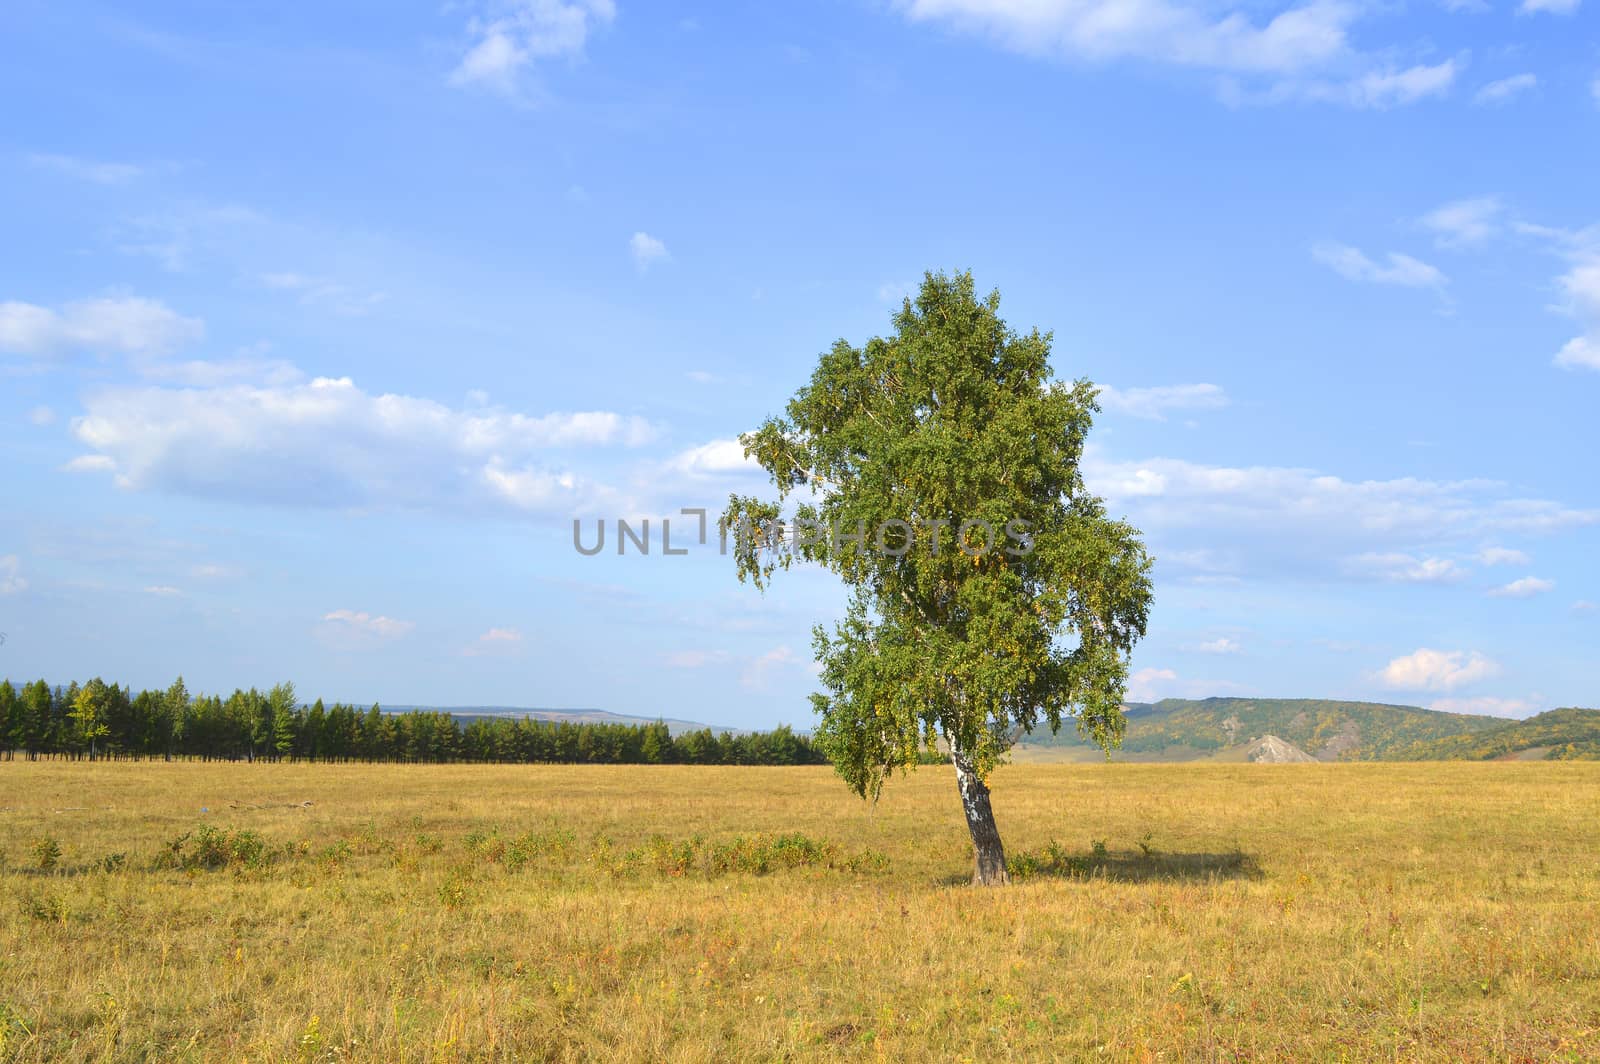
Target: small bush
x,y
553,845
46,908
46,853
210,849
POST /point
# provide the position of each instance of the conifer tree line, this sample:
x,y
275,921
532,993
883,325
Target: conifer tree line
x,y
97,720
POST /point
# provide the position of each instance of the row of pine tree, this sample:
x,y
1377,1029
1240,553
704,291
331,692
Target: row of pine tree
x,y
100,720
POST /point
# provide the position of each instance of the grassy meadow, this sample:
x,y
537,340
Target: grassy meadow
x,y
1187,912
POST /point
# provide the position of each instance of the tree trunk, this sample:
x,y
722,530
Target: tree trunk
x,y
989,853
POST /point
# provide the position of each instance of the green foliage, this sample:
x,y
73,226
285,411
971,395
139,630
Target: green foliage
x,y
211,849
46,853
1569,734
1146,864
954,418
250,725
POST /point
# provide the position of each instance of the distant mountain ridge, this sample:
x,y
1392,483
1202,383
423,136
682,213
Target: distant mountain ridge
x,y
1178,729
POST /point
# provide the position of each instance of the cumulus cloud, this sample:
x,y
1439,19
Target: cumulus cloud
x,y
1157,30
1438,670
11,581
367,624
506,36
328,442
1220,645
1549,7
1353,265
1148,684
1154,404
1400,568
1581,287
124,325
1505,89
646,251
1465,222
1172,492
494,642
1299,51
717,458
1382,89
1527,587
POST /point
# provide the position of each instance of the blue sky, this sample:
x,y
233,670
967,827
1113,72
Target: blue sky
x,y
319,324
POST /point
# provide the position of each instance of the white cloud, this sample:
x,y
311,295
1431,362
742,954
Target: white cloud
x,y
1549,7
717,458
1485,707
1527,587
90,463
1154,403
325,293
1505,89
162,590
647,251
494,641
1581,287
1316,508
11,581
359,621
1465,222
1387,88
1580,352
125,325
1220,645
1353,265
1502,556
1147,685
1400,568
1438,670
87,169
1585,606
327,442
694,659
760,674
1158,30
507,35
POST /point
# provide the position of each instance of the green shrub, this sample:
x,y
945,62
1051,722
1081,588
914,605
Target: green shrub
x,y
46,853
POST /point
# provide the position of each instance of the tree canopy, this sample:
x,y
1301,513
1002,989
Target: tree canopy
x,y
936,471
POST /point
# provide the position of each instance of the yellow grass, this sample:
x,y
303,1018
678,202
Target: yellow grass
x,y
1416,912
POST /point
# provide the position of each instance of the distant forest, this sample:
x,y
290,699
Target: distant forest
x,y
98,720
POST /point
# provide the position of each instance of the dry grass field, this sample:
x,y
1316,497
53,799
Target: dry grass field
x,y
315,912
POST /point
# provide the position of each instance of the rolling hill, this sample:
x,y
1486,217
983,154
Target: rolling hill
x,y
1557,735
1177,729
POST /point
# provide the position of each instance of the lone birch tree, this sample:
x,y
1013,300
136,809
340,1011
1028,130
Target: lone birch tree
x,y
936,472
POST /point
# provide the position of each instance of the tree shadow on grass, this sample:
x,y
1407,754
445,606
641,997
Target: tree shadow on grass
x,y
1125,866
